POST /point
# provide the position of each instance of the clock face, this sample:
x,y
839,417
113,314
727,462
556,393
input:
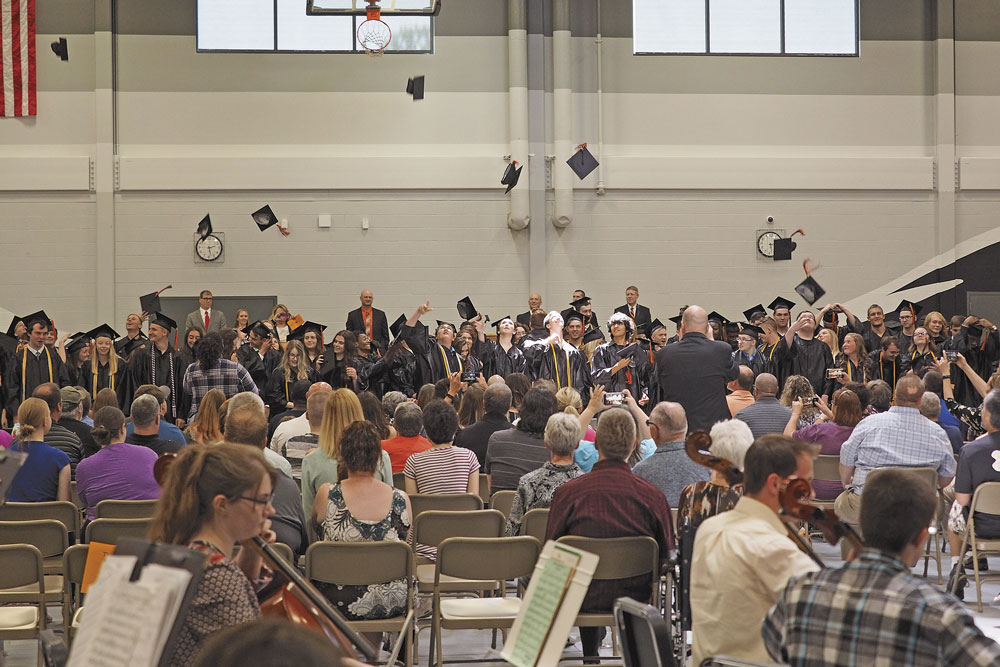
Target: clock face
x,y
765,243
209,248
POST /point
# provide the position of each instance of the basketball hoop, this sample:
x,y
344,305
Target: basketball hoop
x,y
374,33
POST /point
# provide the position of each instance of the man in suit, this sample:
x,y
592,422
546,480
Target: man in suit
x,y
694,372
639,314
206,318
370,320
534,303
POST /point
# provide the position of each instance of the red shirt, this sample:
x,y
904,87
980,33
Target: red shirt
x,y
400,448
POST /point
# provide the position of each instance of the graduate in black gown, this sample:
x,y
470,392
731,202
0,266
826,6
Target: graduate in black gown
x,y
747,341
887,362
809,357
922,353
554,359
853,360
502,357
978,342
310,334
104,369
617,364
261,356
74,352
133,339
160,365
340,362
33,365
773,354
438,358
293,367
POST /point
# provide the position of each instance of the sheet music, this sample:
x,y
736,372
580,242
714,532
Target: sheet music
x,y
127,623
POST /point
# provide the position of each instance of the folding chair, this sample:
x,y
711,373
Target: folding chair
x,y
446,502
503,501
285,552
62,511
645,635
985,500
499,558
50,538
74,564
362,563
621,557
930,474
826,468
125,509
399,481
534,523
20,576
109,531
484,487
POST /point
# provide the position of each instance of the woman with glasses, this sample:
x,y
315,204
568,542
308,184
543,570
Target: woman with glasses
x,y
216,496
922,352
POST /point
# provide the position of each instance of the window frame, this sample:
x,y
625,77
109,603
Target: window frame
x,y
782,54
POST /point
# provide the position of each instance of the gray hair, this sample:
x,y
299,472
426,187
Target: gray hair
x,y
991,405
669,417
145,410
497,398
562,434
408,419
930,405
615,434
731,439
391,401
246,398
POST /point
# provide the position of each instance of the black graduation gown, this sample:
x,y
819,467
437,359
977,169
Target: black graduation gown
x,y
259,369
631,377
150,366
565,366
500,362
119,383
73,374
334,372
773,359
916,362
438,362
982,357
742,359
904,341
810,359
27,372
396,371
125,346
278,391
852,372
884,369
872,340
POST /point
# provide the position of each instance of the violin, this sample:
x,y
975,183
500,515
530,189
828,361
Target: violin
x,y
696,446
291,595
794,499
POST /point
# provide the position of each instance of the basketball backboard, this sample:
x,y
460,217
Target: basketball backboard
x,y
360,7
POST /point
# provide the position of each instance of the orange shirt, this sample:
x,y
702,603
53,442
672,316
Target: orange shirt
x,y
400,448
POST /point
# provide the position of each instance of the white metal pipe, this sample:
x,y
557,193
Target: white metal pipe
x,y
517,69
599,41
562,112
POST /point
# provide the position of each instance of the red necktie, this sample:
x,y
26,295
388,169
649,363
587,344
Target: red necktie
x,y
206,320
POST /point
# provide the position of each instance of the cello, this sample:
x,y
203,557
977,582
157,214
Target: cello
x,y
292,596
794,499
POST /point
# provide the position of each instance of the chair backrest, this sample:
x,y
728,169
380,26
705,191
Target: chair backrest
x,y
503,501
359,563
59,510
20,565
826,468
74,563
499,558
399,481
446,502
621,557
534,522
433,526
47,535
930,474
484,487
109,531
985,500
125,509
285,552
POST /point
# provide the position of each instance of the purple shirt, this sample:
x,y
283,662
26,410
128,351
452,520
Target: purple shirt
x,y
831,437
5,439
118,472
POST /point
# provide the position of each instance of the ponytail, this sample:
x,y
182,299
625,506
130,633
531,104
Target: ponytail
x,y
31,416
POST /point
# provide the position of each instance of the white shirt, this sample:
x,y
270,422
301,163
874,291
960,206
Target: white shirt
x,y
742,561
205,312
278,462
288,429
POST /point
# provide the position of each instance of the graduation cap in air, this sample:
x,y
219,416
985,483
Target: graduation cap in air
x,y
150,303
265,218
510,176
582,162
592,335
580,303
783,248
810,290
780,302
300,331
60,48
104,331
161,320
397,326
465,309
975,330
205,227
755,311
914,308
77,341
718,317
415,87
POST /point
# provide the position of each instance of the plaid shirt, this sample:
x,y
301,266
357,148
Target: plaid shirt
x,y
901,437
227,375
872,611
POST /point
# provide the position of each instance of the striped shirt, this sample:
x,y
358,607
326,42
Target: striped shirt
x,y
442,469
512,454
765,416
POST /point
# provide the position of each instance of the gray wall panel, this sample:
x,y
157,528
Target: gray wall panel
x,y
977,20
64,17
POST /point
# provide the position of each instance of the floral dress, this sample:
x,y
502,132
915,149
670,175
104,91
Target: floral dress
x,y
373,601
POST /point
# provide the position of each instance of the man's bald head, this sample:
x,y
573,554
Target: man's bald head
x,y
766,385
694,319
670,421
318,386
745,378
909,391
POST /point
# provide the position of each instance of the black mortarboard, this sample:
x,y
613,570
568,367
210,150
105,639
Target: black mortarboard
x,y
914,308
780,302
150,303
783,248
415,87
36,318
205,226
592,335
13,325
162,320
573,315
582,162
676,319
654,325
751,330
396,326
580,303
465,309
510,176
442,322
810,290
103,330
718,317
264,217
756,310
496,323
975,330
258,328
300,331
630,350
77,341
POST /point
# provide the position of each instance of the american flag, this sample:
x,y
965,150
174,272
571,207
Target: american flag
x,y
17,57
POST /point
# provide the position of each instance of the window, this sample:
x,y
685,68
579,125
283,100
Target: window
x,y
745,27
283,26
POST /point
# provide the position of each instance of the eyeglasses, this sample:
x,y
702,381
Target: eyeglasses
x,y
257,501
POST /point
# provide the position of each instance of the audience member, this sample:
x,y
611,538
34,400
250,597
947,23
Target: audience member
x,y
119,471
516,451
298,446
146,412
443,468
669,468
59,436
766,415
390,401
829,435
730,440
241,429
167,431
798,387
204,430
71,399
496,405
409,421
104,398
930,407
471,408
567,397
371,407
587,455
45,474
271,642
879,397
740,396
